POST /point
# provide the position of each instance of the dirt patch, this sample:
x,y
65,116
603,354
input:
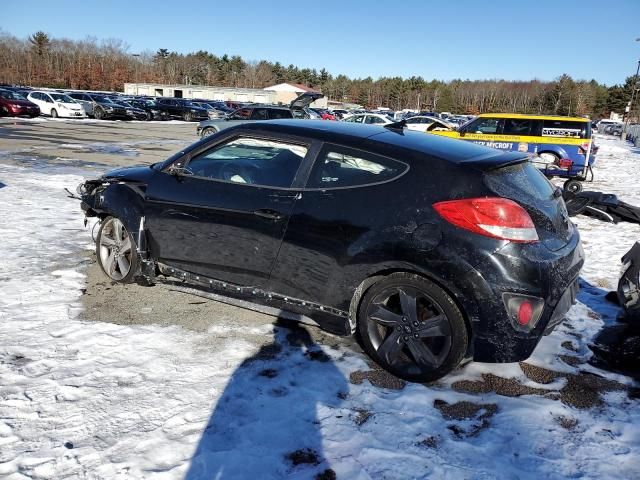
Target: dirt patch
x,y
507,387
571,360
362,416
305,456
269,373
429,442
465,410
378,378
569,346
582,390
568,423
328,474
478,413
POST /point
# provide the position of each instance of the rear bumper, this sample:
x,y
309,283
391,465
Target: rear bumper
x,y
527,270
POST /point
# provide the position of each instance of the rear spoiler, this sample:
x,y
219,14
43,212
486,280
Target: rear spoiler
x,y
396,125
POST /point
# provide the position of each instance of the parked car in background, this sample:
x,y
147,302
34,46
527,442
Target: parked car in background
x,y
324,113
369,119
340,113
134,112
150,107
431,250
300,106
182,109
212,111
242,115
56,104
563,145
100,106
423,123
12,104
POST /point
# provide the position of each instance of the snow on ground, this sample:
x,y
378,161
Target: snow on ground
x,y
83,399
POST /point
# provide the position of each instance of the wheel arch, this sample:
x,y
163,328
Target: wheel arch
x,y
466,306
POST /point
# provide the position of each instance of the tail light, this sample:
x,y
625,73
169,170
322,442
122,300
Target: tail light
x,y
565,163
524,310
490,216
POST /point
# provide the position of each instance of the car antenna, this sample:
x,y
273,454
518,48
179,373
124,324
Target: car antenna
x,y
396,125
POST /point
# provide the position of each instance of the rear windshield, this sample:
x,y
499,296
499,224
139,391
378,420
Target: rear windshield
x,y
518,181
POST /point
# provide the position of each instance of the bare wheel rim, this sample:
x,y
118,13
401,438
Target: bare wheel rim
x,y
115,249
409,330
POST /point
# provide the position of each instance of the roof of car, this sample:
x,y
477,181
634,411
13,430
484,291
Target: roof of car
x,y
457,151
534,117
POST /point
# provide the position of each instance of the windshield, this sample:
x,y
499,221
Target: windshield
x,y
59,97
8,94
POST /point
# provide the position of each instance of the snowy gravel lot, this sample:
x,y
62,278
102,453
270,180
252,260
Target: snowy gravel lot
x,y
92,399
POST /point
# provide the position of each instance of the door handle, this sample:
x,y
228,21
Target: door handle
x,y
268,214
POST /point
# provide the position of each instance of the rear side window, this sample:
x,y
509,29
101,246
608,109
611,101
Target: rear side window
x,y
517,126
562,128
276,113
338,166
516,181
259,114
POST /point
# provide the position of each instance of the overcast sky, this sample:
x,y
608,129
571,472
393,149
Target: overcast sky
x,y
515,40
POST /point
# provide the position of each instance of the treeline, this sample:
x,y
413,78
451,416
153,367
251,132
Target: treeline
x,y
106,65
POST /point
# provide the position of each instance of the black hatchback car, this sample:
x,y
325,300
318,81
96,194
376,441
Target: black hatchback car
x,y
431,250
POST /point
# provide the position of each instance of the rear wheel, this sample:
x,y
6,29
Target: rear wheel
x,y
208,131
54,113
412,328
116,251
549,158
98,113
188,116
573,186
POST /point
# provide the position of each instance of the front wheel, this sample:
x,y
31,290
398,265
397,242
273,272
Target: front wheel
x,y
98,114
54,113
116,251
188,116
412,328
208,131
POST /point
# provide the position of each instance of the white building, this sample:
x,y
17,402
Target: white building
x,y
254,95
287,92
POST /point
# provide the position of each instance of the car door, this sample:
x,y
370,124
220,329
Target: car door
x,y
45,106
86,102
224,217
335,225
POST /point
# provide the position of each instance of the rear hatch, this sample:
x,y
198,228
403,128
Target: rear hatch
x,y
524,184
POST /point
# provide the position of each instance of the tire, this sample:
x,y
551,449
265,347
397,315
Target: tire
x,y
187,117
208,131
149,116
572,185
116,251
412,328
54,113
550,157
98,113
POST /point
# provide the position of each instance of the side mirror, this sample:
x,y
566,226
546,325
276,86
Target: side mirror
x,y
178,170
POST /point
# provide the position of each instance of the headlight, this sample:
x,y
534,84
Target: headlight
x,y
194,110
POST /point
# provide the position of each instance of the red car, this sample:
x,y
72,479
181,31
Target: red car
x,y
14,105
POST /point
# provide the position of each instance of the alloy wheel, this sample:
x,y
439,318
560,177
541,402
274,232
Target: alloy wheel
x,y
409,330
115,249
